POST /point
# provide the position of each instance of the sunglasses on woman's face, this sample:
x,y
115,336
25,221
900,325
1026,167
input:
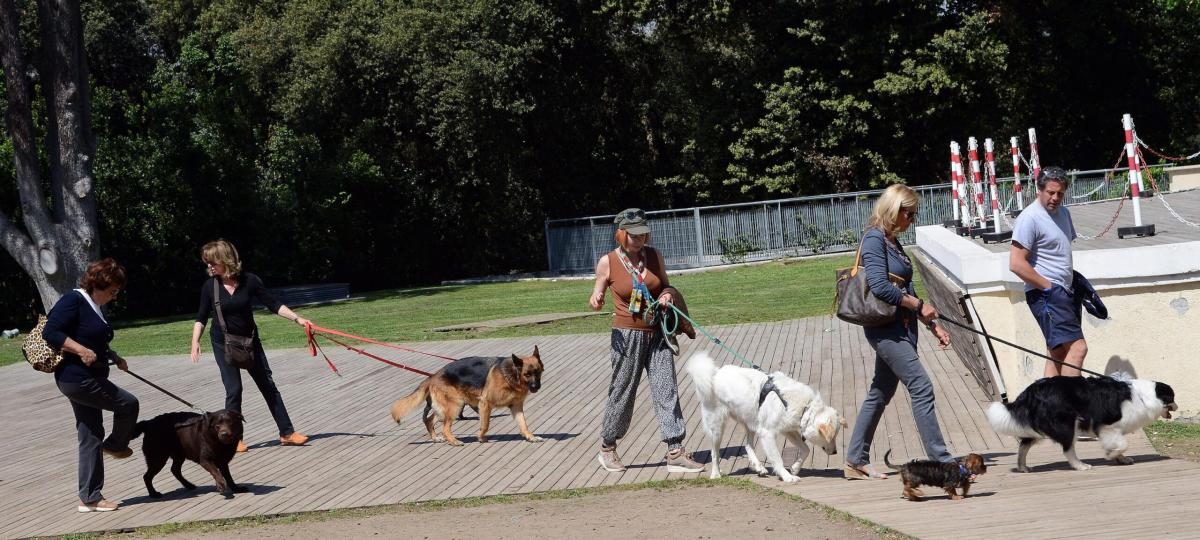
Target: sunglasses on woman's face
x,y
635,214
912,214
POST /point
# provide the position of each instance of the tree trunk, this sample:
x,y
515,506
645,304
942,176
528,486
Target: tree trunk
x,y
59,241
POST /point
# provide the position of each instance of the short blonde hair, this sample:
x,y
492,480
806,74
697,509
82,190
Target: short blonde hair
x,y
887,208
223,252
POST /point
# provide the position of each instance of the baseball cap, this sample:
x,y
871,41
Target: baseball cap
x,y
633,221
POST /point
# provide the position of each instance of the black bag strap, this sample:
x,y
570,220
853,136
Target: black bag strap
x,y
217,303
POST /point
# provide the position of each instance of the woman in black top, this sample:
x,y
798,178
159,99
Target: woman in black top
x,y
79,329
236,290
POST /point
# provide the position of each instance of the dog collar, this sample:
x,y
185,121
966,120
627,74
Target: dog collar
x,y
767,388
963,469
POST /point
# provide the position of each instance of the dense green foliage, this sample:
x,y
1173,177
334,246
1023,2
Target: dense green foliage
x,y
402,142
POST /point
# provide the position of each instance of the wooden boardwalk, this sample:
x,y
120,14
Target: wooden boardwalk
x,y
359,457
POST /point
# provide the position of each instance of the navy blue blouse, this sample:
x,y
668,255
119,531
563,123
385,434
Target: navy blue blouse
x,y
73,317
236,307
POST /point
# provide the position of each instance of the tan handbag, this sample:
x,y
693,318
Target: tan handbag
x,y
856,304
38,353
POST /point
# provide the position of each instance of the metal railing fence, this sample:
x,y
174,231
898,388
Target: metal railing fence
x,y
714,235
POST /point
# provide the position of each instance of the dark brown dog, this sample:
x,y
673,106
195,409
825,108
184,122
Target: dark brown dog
x,y
482,382
948,476
209,439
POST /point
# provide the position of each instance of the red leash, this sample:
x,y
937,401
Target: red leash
x,y
312,331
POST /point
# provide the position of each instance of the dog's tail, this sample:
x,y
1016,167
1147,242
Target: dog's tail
x,y
889,463
1003,422
701,368
405,405
138,429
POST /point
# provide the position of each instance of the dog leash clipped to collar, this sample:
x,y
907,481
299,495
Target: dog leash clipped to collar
x,y
1018,347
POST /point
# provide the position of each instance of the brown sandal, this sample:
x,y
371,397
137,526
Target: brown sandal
x,y
862,472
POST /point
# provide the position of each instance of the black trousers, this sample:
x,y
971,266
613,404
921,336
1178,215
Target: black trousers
x,y
89,398
231,377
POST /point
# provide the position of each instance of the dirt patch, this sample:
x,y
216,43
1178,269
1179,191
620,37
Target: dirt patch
x,y
1175,439
692,512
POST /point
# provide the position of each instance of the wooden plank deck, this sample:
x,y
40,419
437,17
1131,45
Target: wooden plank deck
x,y
359,457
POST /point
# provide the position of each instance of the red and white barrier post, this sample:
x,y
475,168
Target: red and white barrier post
x,y
1035,162
1135,183
990,167
956,159
976,180
1016,159
990,164
953,188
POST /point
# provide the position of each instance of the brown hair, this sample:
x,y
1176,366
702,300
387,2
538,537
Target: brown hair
x,y
102,274
622,234
223,252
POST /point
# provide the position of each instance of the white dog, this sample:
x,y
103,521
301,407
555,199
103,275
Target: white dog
x,y
786,407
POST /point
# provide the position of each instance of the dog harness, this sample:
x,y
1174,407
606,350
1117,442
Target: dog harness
x,y
962,469
767,388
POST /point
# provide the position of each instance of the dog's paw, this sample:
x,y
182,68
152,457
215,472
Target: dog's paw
x,y
1021,469
1082,467
1123,460
789,478
155,495
714,475
535,438
454,442
241,489
795,468
483,439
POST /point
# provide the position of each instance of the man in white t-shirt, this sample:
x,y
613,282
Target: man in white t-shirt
x,y
1041,256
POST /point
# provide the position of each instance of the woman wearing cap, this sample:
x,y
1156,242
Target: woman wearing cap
x,y
636,345
895,343
237,289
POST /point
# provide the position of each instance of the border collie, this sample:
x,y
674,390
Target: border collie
x,y
1108,407
767,406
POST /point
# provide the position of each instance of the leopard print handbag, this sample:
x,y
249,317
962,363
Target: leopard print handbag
x,y
38,353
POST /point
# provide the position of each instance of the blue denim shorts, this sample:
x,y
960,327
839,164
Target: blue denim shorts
x,y
1057,313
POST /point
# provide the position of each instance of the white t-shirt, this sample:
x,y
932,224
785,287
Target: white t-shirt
x,y
1048,238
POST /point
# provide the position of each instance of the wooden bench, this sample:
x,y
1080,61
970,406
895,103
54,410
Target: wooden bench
x,y
307,295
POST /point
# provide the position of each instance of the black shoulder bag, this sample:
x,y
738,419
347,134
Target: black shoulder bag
x,y
239,350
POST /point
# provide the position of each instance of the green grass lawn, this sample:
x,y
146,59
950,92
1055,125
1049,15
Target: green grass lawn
x,y
768,292
1175,439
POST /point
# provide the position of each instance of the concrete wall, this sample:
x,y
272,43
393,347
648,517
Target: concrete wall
x,y
1185,177
1152,294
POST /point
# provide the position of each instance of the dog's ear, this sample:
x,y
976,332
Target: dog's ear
x,y
237,416
826,431
516,360
536,354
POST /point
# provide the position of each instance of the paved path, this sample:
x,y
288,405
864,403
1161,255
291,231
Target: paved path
x,y
359,457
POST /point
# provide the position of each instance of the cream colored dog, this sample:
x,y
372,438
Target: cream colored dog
x,y
734,392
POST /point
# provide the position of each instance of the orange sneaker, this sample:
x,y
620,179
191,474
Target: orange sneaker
x,y
294,438
241,446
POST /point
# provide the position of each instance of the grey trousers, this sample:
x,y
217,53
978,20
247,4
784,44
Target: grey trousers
x,y
89,399
634,351
896,361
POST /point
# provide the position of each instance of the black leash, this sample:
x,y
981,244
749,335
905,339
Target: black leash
x,y
161,389
1015,346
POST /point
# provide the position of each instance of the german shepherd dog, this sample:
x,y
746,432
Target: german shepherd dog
x,y
482,382
209,439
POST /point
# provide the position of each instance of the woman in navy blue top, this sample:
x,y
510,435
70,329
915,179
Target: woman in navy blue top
x,y
895,343
77,327
237,289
